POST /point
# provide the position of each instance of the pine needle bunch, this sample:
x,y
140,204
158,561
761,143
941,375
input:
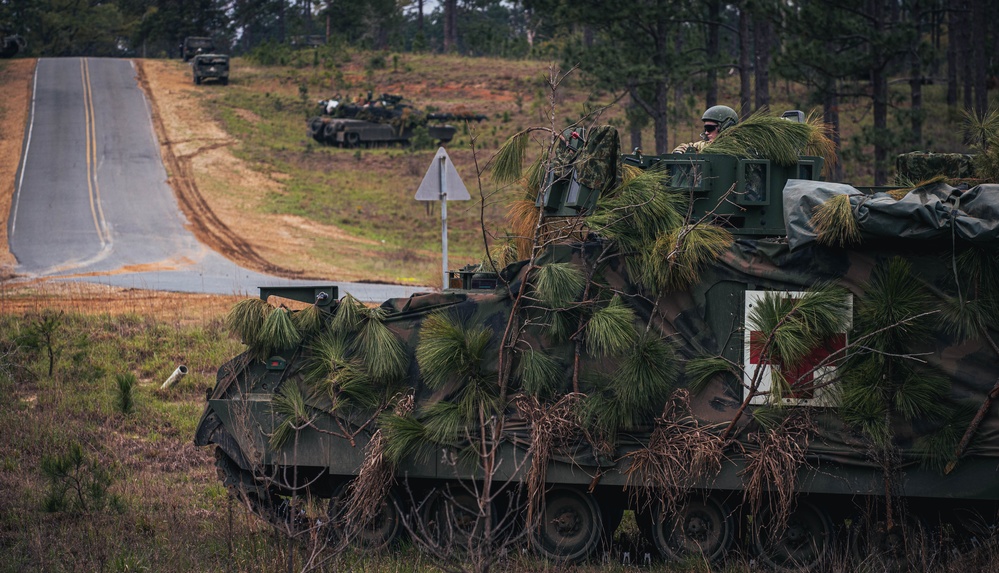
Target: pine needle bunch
x,y
835,223
539,373
309,321
368,491
636,214
645,378
290,405
678,257
452,356
767,136
348,316
558,285
279,331
382,351
503,254
976,303
401,435
611,329
450,351
246,318
600,413
331,368
507,164
326,354
702,370
820,142
680,454
551,425
770,476
983,132
443,423
796,326
936,448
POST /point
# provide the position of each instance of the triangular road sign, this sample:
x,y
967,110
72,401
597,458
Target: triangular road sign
x,y
442,177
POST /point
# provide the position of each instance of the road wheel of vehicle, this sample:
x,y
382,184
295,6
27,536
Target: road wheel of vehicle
x,y
906,546
702,526
329,133
570,526
352,139
382,530
451,517
197,80
316,128
800,545
224,81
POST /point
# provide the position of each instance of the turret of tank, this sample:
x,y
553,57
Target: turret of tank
x,y
743,354
384,120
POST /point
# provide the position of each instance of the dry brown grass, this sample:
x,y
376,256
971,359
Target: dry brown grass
x,y
770,477
88,298
367,492
551,425
681,454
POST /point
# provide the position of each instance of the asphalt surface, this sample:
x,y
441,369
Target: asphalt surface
x,y
91,201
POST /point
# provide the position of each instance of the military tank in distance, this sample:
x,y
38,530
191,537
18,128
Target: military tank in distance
x,y
385,120
749,357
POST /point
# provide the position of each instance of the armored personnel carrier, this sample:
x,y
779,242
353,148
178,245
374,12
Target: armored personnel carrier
x,y
385,120
750,358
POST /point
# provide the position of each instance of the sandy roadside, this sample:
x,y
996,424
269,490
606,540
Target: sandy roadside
x,y
15,105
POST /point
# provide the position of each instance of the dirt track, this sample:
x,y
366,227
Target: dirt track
x,y
202,220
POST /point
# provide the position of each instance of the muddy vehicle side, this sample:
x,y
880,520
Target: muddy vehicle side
x,y
694,454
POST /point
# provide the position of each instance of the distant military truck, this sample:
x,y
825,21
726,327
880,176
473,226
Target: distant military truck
x,y
194,45
210,67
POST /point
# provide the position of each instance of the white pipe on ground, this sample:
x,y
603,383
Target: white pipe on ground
x,y
179,373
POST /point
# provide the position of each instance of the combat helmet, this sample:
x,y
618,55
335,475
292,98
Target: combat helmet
x,y
721,114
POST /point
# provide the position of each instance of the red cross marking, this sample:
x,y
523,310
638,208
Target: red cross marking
x,y
800,376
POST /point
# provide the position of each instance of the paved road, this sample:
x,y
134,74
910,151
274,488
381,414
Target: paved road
x,y
92,203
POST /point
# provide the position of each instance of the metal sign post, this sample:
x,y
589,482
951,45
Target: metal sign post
x,y
442,183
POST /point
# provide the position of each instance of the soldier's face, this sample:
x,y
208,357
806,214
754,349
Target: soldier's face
x,y
710,130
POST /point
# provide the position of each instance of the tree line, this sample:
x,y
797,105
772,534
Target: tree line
x,y
658,53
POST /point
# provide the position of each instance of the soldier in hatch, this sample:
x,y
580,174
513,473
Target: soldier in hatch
x,y
716,119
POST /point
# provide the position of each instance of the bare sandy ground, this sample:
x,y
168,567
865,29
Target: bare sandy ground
x,y
15,104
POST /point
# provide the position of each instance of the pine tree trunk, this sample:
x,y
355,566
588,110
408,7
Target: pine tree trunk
x,y
953,47
830,115
763,32
978,57
916,81
745,46
450,25
711,46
